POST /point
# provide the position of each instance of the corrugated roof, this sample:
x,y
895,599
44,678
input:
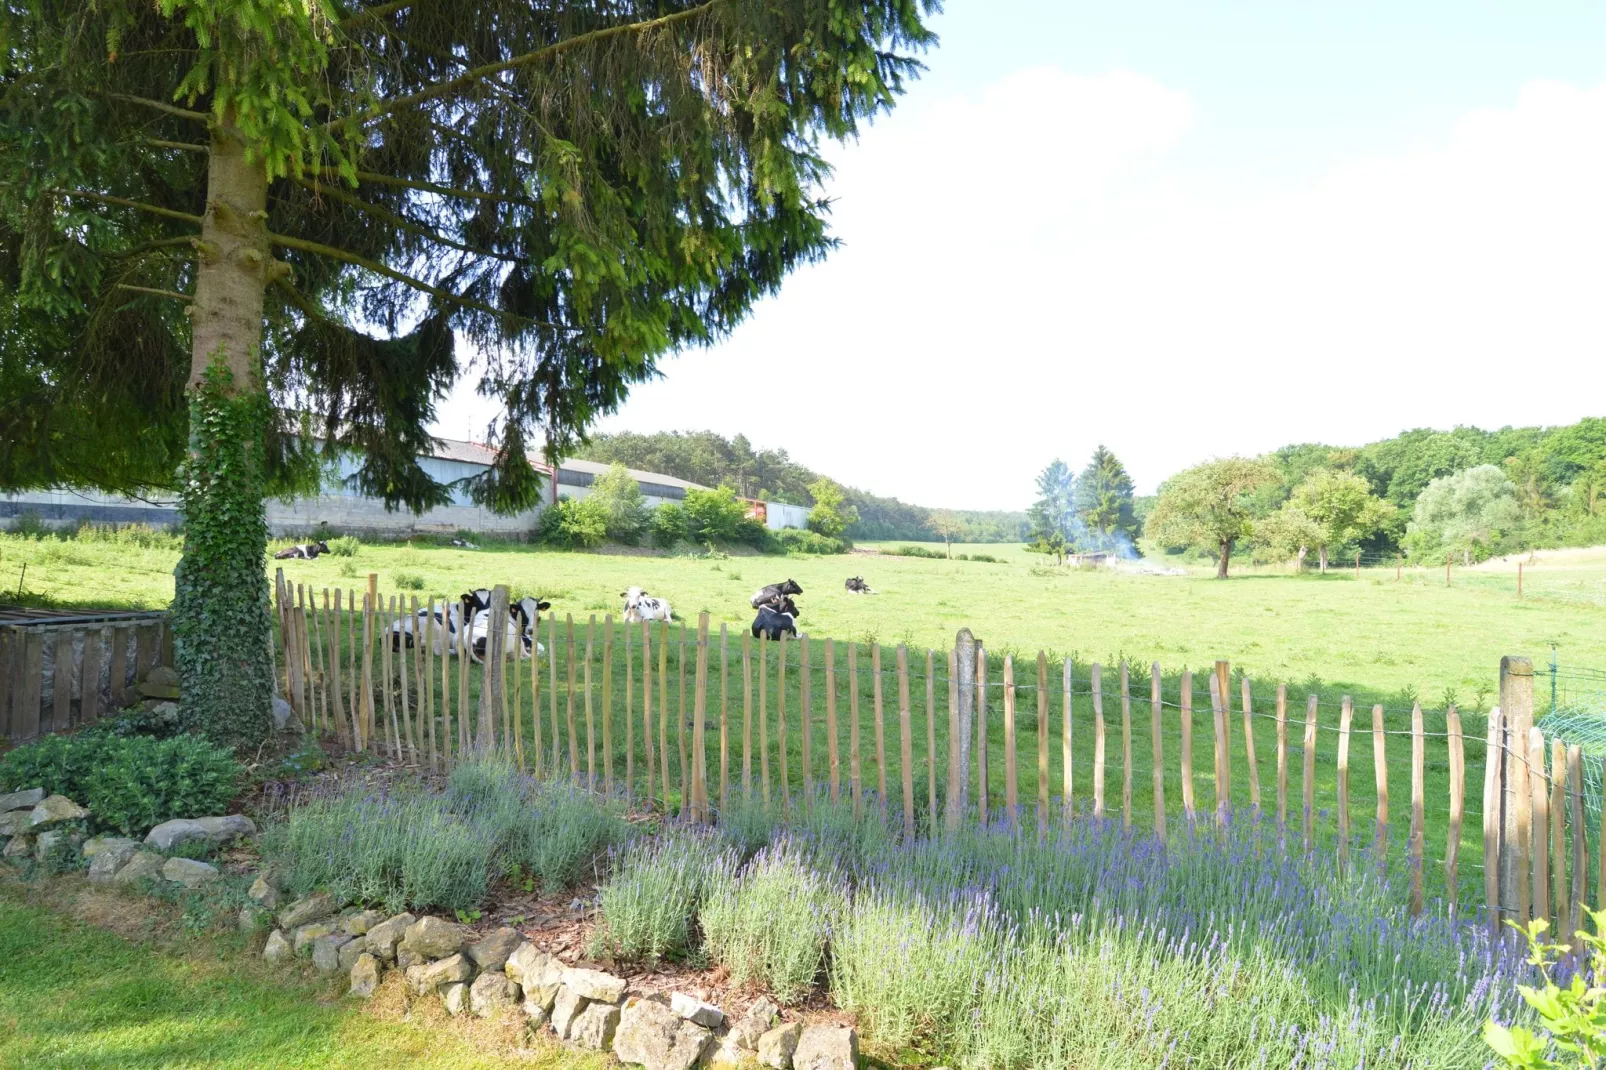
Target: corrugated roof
x,y
452,449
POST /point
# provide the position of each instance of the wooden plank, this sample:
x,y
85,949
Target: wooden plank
x,y
1157,745
747,715
1516,705
424,658
1126,748
144,651
556,765
1523,856
572,679
646,702
1418,805
981,735
33,681
1098,740
607,705
699,748
833,756
1492,762
303,635
764,717
1539,797
724,717
931,742
315,649
1011,797
1249,741
855,781
334,626
805,717
493,675
880,730
591,713
88,678
955,765
1346,719
663,710
630,717
1218,712
1380,773
10,672
447,646
1558,840
780,717
1067,695
61,682
680,725
1458,789
385,670
1575,811
292,656
117,685
906,753
1282,764
368,608
1224,682
1308,781
1185,716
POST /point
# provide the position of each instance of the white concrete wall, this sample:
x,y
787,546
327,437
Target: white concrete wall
x,y
780,515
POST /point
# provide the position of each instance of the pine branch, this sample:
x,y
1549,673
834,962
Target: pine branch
x,y
174,294
187,146
378,11
126,203
148,247
444,191
468,78
170,109
400,221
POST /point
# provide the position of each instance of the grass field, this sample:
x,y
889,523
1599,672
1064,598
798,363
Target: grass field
x,y
132,991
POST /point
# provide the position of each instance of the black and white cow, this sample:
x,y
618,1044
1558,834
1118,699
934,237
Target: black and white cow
x,y
765,596
302,551
856,585
775,619
522,614
439,625
640,606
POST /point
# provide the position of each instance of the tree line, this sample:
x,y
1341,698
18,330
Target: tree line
x,y
765,474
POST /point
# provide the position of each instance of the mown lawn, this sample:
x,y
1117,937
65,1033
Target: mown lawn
x,y
140,994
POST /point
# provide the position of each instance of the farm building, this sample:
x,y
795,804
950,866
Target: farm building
x,y
346,509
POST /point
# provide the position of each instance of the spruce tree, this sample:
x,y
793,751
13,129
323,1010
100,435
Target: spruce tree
x,y
1104,503
240,235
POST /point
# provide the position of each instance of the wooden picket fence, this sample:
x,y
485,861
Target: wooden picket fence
x,y
595,706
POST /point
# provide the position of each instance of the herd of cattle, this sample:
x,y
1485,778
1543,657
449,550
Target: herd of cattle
x,y
466,623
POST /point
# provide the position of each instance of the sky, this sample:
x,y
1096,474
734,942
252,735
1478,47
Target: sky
x,y
1183,229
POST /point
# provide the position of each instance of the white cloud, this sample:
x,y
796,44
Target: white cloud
x,y
1028,272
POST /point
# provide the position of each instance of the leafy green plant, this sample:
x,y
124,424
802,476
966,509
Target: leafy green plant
x,y
668,525
574,524
651,900
345,546
408,581
620,497
768,924
129,783
798,540
1574,1014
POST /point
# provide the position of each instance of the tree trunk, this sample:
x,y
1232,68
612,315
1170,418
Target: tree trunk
x,y
1321,557
1226,555
1299,563
221,620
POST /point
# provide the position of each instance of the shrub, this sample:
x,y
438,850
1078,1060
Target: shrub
x,y
408,581
769,923
796,540
719,516
919,551
345,546
831,515
1574,1016
649,903
620,497
668,525
574,525
129,783
988,558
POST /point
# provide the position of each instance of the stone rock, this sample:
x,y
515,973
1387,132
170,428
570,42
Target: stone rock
x,y
18,847
160,682
359,923
593,1028
282,713
264,893
490,993
539,974
350,952
326,952
313,908
434,938
407,959
49,842
695,1010
22,800
726,1054
827,1047
383,938
189,872
456,998
277,949
96,844
364,976
53,811
304,935
536,1016
657,1038
491,952
595,985
143,866
214,830
758,1020
437,975
415,978
565,1009
16,822
775,1048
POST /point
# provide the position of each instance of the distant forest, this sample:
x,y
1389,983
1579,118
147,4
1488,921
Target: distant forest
x,y
711,459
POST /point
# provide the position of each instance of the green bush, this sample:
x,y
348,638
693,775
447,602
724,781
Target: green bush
x,y
719,516
799,541
668,525
768,924
129,783
619,496
345,546
574,525
919,551
652,898
988,558
408,581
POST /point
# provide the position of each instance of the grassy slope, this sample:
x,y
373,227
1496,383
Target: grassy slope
x,y
73,995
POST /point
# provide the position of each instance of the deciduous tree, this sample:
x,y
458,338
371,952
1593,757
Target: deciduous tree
x,y
1342,507
1053,515
1463,514
831,515
1210,505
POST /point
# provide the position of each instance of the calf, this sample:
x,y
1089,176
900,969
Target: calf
x,y
302,551
775,619
768,595
856,585
639,606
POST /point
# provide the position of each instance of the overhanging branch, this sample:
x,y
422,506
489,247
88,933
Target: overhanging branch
x,y
444,191
468,78
126,203
170,109
174,294
400,221
378,11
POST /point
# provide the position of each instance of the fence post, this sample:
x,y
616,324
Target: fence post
x,y
965,680
880,730
1282,765
855,781
1558,837
955,765
906,754
780,718
1380,771
1345,719
699,749
552,697
630,718
1539,800
680,728
1458,788
1418,771
764,717
1067,695
663,713
931,742
1098,739
1308,780
1185,715
981,733
1218,711
1575,786
747,716
1249,741
591,717
646,700
806,718
1042,742
724,717
1493,885
1158,746
491,682
607,704
1126,748
568,705
1516,705
832,746
1011,798
1224,678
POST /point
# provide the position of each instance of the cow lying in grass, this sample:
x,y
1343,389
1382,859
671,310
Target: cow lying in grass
x,y
640,606
771,595
775,619
302,551
443,626
856,585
